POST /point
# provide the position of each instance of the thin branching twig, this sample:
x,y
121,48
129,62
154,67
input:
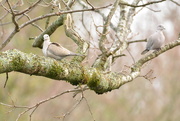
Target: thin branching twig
x,y
6,79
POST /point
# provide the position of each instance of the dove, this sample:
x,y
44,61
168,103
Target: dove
x,y
155,41
55,50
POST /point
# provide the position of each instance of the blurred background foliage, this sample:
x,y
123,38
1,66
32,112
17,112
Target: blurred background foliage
x,y
140,100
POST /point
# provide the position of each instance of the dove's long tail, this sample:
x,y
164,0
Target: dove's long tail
x,y
75,54
144,52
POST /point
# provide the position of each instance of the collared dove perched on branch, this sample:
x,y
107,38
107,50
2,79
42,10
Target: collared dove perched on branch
x,y
155,41
55,50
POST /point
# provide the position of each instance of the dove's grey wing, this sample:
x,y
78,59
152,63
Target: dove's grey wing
x,y
159,41
57,50
154,41
150,42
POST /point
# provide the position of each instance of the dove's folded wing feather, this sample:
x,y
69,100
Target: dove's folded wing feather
x,y
57,50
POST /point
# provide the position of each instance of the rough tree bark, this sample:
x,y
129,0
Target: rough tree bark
x,y
73,72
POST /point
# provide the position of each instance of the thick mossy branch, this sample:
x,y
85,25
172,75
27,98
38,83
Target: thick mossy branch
x,y
15,60
74,73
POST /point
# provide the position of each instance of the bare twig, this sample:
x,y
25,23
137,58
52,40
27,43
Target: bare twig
x,y
71,110
48,19
85,26
34,107
6,9
28,9
148,76
2,31
13,17
106,27
136,12
117,56
8,39
175,2
33,24
18,18
99,12
78,102
143,5
153,9
16,29
30,116
90,4
67,7
89,108
135,41
6,79
12,106
131,55
4,15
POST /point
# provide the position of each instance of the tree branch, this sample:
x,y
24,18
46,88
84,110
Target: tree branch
x,y
74,73
28,9
106,27
143,5
135,41
175,2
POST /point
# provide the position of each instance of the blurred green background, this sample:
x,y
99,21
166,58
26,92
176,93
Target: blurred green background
x,y
140,100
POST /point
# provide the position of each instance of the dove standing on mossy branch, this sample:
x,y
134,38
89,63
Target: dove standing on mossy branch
x,y
155,41
55,50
